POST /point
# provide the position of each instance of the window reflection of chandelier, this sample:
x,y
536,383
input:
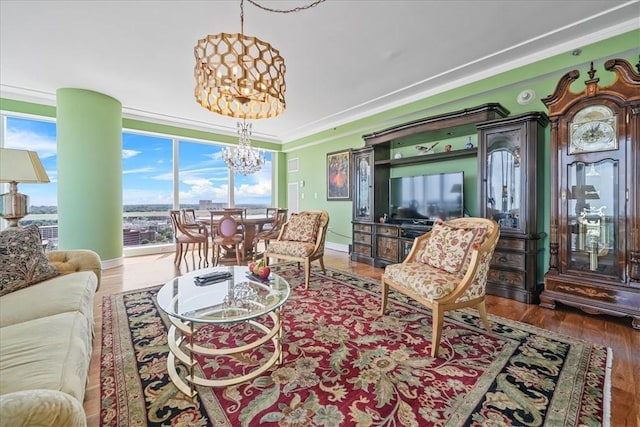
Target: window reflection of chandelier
x,y
243,158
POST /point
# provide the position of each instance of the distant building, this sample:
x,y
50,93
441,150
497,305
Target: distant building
x,y
130,237
208,205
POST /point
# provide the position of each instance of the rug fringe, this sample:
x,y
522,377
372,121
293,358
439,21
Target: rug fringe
x,y
606,417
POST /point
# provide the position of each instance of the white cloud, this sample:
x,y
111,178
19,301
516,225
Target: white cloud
x,y
150,197
139,170
127,154
26,140
203,190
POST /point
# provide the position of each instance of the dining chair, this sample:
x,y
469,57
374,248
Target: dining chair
x,y
446,269
188,234
301,239
228,234
189,216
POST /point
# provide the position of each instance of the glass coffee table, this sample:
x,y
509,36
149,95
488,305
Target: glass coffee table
x,y
232,298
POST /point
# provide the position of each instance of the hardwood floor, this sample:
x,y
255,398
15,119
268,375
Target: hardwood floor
x,y
615,333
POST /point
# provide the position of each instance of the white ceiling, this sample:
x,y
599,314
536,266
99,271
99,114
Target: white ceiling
x,y
345,59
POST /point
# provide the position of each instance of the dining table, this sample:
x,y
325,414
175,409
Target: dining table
x,y
252,224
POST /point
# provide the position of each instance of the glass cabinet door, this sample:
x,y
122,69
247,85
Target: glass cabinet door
x,y
591,198
363,194
504,179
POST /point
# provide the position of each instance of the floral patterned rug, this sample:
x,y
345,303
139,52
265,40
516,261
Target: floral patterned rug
x,y
345,365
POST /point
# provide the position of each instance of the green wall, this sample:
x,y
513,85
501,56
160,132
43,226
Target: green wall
x,y
503,88
311,151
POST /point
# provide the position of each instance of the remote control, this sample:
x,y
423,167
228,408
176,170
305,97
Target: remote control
x,y
212,276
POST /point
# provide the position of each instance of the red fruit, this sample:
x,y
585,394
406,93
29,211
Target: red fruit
x,y
252,265
264,272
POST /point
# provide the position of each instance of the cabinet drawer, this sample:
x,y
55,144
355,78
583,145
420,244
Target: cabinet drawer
x,y
362,238
365,228
387,230
515,244
387,248
406,246
508,259
362,249
510,278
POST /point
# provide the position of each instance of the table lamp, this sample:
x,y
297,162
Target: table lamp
x,y
18,166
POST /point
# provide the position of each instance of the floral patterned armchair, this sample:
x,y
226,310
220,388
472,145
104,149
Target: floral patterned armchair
x,y
301,239
446,270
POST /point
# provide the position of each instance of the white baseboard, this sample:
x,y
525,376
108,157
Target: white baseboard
x,y
112,263
337,247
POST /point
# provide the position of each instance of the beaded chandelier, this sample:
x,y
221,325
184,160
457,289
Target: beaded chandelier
x,y
243,158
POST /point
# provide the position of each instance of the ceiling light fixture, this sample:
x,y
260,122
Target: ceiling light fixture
x,y
243,77
239,76
243,158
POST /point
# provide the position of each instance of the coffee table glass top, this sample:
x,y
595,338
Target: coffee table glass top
x,y
236,299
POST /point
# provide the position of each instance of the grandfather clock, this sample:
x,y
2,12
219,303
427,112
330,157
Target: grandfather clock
x,y
595,195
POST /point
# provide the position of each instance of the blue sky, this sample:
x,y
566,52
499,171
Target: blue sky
x,y
147,168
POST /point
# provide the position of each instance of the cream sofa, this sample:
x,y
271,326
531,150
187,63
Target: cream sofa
x,y
46,335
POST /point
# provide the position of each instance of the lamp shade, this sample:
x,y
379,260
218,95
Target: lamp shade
x,y
21,166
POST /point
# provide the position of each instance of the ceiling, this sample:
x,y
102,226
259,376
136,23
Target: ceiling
x,y
345,59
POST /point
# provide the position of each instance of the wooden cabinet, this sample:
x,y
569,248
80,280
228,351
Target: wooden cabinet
x,y
370,200
595,197
510,185
387,244
370,203
362,242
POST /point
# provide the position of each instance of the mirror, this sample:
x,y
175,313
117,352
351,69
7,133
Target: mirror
x,y
504,180
363,183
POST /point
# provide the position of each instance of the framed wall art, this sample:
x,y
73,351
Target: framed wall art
x,y
339,175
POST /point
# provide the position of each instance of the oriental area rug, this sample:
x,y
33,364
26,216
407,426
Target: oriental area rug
x,y
345,365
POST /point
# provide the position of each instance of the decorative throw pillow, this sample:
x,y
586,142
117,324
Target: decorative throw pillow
x,y
449,247
22,259
302,227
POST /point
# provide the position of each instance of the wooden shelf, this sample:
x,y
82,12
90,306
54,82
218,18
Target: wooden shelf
x,y
428,158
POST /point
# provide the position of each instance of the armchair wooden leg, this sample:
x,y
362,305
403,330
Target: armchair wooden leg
x,y
438,320
384,289
482,309
321,259
307,273
238,254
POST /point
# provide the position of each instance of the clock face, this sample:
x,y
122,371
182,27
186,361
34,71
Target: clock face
x,y
593,129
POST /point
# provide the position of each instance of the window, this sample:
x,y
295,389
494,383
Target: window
x,y
203,177
254,192
147,189
39,136
159,173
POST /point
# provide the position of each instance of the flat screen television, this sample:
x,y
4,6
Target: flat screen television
x,y
426,197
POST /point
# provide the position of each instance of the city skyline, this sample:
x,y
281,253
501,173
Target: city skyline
x,y
147,168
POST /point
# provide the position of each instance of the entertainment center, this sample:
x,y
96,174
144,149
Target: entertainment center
x,y
389,211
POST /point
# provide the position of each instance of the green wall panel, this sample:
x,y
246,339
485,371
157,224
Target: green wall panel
x,y
502,88
89,136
